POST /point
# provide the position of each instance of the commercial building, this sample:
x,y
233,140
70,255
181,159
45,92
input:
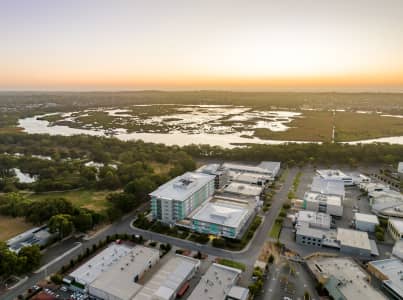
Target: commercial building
x,y
360,179
36,236
217,284
328,187
222,175
250,178
244,190
100,263
170,279
330,204
365,222
223,217
343,278
386,203
314,219
119,282
400,168
269,168
395,228
177,198
336,175
390,272
354,242
397,250
373,187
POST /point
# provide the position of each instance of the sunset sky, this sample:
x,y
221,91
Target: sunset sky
x,y
209,44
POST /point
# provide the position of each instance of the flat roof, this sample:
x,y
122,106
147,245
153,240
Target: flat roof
x,y
182,187
216,283
223,212
100,263
210,169
353,238
305,230
352,280
169,278
393,269
249,177
238,292
328,187
265,167
243,189
318,197
366,218
314,218
400,167
332,173
397,223
398,249
119,279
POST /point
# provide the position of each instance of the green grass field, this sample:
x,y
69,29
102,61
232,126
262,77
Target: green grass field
x,y
352,126
94,200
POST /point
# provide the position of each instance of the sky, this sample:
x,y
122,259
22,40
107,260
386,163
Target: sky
x,y
209,44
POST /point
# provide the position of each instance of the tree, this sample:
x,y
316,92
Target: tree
x,y
62,224
83,221
33,257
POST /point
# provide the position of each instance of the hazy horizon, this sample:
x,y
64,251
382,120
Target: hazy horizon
x,y
292,45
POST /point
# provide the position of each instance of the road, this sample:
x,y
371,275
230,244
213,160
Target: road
x,y
247,256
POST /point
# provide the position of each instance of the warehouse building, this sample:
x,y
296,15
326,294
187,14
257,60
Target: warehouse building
x,y
269,168
250,178
336,175
343,278
395,228
217,284
365,222
328,187
324,203
314,219
355,243
171,279
176,199
36,236
120,281
244,190
222,175
386,203
221,216
390,272
352,242
88,272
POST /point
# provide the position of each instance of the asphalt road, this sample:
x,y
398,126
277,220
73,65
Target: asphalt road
x,y
247,256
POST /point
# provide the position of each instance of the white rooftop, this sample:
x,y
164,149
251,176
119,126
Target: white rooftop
x,y
353,279
238,292
226,213
400,167
393,269
353,238
265,167
119,279
397,223
182,187
249,177
328,187
100,263
366,218
216,283
244,189
330,173
397,250
314,218
169,278
318,197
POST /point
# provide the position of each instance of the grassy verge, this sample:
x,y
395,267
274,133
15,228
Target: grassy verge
x,y
275,230
231,263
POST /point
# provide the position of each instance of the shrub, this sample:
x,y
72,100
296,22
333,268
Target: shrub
x,y
56,279
219,243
